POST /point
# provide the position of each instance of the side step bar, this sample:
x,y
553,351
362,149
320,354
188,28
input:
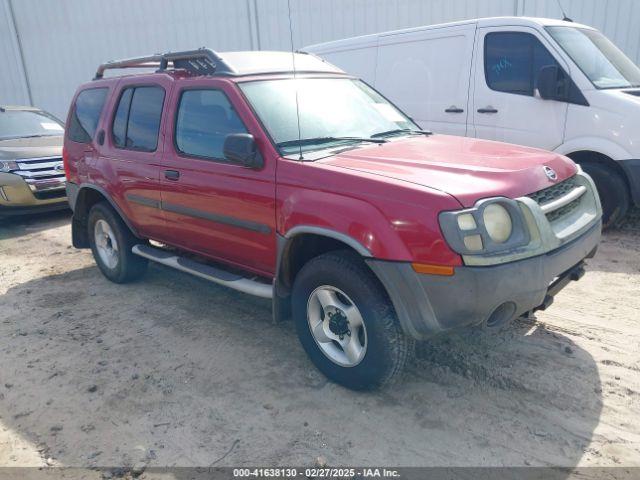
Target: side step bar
x,y
207,272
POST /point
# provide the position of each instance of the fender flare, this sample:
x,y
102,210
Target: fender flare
x,y
283,242
114,205
326,232
281,298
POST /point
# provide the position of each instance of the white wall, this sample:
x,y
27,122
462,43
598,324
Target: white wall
x,y
63,41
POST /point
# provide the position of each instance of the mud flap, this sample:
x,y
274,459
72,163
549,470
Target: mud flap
x,y
79,235
281,308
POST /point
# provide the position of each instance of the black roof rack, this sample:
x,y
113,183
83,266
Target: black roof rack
x,y
201,62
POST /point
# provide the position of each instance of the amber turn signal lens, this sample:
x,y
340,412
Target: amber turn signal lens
x,y
432,269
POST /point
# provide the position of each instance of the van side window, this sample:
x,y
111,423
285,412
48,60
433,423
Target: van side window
x,y
137,120
86,114
512,61
205,118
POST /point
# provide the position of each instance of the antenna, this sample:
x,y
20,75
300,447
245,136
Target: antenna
x,y
293,58
564,15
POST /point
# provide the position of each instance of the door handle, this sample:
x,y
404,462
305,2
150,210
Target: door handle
x,y
172,175
454,109
487,109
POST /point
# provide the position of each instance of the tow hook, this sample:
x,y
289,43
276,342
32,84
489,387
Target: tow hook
x,y
573,274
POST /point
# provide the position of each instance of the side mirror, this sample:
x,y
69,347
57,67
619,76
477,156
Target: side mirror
x,y
551,83
241,148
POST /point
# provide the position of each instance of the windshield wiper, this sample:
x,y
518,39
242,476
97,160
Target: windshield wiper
x,y
396,131
320,140
37,135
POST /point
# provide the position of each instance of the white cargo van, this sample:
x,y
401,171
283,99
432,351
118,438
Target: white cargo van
x,y
539,82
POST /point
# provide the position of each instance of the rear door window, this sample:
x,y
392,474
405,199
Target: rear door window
x,y
205,118
86,114
512,61
136,123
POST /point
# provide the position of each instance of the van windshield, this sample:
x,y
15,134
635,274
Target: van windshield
x,y
597,57
28,123
333,112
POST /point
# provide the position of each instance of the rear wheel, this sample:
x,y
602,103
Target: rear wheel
x,y
347,324
111,242
613,192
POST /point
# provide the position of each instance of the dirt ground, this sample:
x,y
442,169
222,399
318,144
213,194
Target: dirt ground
x,y
174,371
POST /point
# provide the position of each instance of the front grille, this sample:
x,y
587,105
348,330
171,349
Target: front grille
x,y
42,174
546,196
554,192
562,211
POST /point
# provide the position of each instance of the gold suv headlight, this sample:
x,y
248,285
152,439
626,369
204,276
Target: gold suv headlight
x,y
491,226
8,166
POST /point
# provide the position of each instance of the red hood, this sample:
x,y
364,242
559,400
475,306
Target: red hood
x,y
467,168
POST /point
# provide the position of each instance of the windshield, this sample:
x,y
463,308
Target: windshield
x,y
598,58
25,123
333,111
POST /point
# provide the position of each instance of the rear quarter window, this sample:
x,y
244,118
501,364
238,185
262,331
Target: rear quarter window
x,y
86,114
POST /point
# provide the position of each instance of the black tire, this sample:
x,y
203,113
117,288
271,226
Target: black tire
x,y
613,192
388,348
128,266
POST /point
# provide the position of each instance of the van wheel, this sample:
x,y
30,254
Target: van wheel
x,y
613,192
111,242
347,324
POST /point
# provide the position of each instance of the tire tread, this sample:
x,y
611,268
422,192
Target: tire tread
x,y
402,346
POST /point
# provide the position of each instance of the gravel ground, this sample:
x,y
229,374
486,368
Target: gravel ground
x,y
174,371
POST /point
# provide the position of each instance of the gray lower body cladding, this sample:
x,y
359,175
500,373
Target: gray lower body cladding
x,y
429,304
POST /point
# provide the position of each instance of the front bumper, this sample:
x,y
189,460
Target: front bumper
x,y
17,197
430,304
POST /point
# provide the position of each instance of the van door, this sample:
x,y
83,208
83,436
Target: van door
x,y
506,106
426,73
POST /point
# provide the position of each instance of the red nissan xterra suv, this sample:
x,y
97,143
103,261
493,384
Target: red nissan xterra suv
x,y
307,187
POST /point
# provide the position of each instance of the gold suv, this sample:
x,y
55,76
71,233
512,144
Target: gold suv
x,y
32,175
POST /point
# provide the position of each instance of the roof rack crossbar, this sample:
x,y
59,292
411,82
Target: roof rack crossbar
x,y
202,62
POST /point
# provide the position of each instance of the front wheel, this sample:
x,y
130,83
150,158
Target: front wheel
x,y
347,324
613,192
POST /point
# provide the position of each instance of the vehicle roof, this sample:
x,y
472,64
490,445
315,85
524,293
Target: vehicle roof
x,y
267,62
541,21
479,22
250,63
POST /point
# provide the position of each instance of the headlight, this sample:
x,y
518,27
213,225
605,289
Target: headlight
x,y
8,165
497,222
493,225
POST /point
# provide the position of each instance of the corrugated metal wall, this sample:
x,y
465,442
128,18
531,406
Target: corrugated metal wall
x,y
13,87
64,41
